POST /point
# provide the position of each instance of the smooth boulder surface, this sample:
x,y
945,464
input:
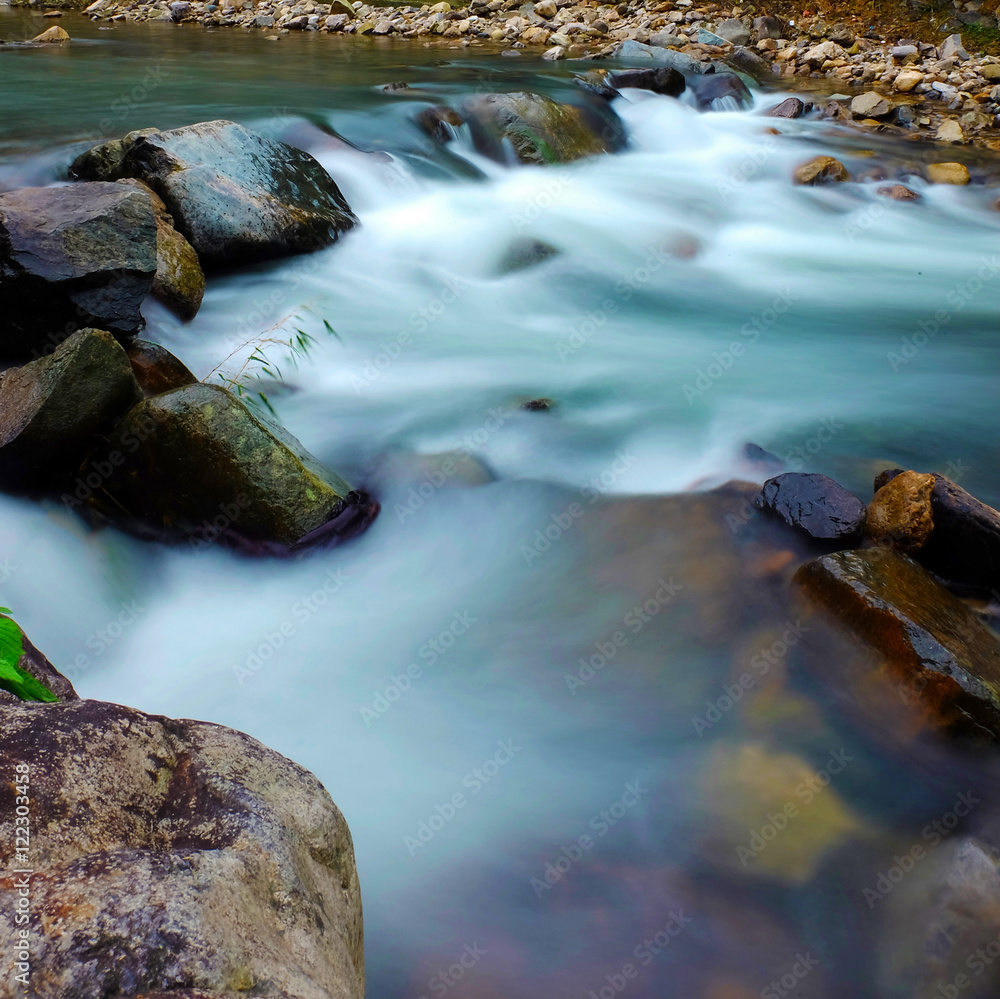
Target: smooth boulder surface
x,y
964,545
173,856
791,107
939,651
900,513
815,505
156,369
236,196
50,409
72,257
193,453
539,130
719,92
662,80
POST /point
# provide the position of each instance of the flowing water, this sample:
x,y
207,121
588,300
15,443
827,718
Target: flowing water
x,y
466,644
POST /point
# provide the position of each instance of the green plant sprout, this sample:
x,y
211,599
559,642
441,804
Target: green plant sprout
x,y
12,678
258,367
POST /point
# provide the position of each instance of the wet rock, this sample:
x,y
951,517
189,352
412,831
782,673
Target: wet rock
x,y
51,408
72,257
630,49
156,370
439,121
942,922
948,173
870,105
189,453
733,30
763,461
236,196
952,48
900,515
540,130
538,405
898,192
524,253
950,131
662,80
814,505
747,61
928,639
720,92
745,786
791,107
821,170
174,853
768,27
53,34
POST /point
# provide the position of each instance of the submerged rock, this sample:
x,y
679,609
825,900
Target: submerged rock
x,y
815,505
186,455
51,408
156,369
72,257
820,170
235,195
173,857
540,130
720,92
935,647
439,122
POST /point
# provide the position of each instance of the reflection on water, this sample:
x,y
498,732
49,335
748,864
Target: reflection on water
x,y
586,739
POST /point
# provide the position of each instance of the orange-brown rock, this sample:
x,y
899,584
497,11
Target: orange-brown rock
x,y
820,170
900,515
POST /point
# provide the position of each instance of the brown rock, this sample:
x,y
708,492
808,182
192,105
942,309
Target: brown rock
x,y
435,121
898,192
948,173
870,105
930,641
156,369
180,282
791,107
173,853
53,34
821,170
899,514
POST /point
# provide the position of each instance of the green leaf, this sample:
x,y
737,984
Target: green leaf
x,y
12,678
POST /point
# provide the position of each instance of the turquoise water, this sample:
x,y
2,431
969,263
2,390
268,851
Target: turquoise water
x,y
697,302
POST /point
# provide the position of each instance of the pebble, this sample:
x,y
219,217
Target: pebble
x,y
950,131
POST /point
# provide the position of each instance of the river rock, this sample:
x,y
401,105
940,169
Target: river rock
x,y
662,80
950,131
898,192
791,107
733,30
439,121
630,49
745,60
51,408
236,196
72,257
185,455
952,48
870,105
156,370
768,27
815,505
906,80
174,857
948,173
53,34
900,515
720,92
820,170
933,643
540,130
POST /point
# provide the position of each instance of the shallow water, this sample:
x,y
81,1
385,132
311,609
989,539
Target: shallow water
x,y
697,301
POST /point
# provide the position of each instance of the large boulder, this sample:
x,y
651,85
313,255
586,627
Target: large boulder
x,y
51,408
815,505
170,856
940,654
184,457
539,130
235,195
72,257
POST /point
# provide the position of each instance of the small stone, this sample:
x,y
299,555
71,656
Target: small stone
x,y
546,9
948,173
815,505
53,34
791,107
950,131
870,105
907,80
900,515
821,170
733,30
991,71
952,48
538,405
898,192
556,52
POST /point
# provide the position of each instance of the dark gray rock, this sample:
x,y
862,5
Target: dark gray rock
x,y
236,196
791,107
719,92
662,80
72,257
815,505
733,30
768,27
